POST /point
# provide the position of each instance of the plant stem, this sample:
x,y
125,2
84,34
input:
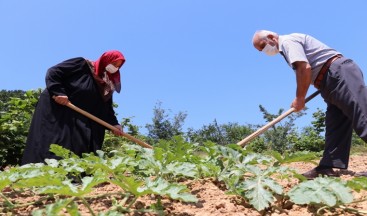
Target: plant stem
x,y
320,209
353,210
7,202
88,206
358,201
15,206
123,202
131,203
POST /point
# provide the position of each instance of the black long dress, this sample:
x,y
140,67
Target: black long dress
x,y
53,123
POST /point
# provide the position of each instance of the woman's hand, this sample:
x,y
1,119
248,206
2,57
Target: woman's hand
x,y
61,99
118,131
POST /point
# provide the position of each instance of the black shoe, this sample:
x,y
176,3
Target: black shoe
x,y
311,174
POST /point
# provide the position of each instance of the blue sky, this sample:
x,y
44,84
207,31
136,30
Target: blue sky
x,y
194,56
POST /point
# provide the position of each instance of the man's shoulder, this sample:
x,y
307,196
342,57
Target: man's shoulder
x,y
294,36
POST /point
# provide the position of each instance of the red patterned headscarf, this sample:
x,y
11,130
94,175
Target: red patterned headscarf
x,y
106,59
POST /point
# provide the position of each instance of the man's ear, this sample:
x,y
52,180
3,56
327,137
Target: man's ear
x,y
270,36
271,39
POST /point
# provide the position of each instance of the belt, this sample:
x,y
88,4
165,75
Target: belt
x,y
324,69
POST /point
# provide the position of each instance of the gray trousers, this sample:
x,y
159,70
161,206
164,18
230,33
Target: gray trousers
x,y
345,94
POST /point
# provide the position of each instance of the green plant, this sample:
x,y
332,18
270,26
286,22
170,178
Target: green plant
x,y
222,134
15,117
162,126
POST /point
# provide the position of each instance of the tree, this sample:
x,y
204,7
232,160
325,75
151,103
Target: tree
x,y
276,138
163,127
319,121
310,138
223,134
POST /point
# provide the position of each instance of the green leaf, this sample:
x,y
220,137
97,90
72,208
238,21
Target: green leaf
x,y
72,209
274,186
328,191
89,182
358,183
62,152
182,169
286,158
161,187
129,184
257,194
54,208
39,181
4,180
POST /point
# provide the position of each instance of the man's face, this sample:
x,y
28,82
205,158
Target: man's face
x,y
260,43
268,45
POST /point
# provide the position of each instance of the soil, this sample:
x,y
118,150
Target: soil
x,y
212,197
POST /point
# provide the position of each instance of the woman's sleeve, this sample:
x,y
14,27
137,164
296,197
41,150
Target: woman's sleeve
x,y
59,74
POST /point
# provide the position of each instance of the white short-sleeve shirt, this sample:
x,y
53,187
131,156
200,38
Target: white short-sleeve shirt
x,y
301,47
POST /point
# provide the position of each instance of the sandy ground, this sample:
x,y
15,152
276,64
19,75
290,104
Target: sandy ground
x,y
212,199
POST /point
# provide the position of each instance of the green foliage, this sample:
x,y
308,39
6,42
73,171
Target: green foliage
x,y
318,123
286,158
357,141
358,183
171,159
62,152
57,207
132,129
56,177
308,140
259,191
112,142
275,139
251,176
223,134
139,171
163,127
258,145
160,186
328,191
15,116
284,136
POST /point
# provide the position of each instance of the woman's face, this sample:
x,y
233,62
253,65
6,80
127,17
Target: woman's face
x,y
117,63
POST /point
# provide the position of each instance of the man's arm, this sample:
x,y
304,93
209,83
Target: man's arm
x,y
303,77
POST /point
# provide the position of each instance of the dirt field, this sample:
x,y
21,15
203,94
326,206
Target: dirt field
x,y
212,199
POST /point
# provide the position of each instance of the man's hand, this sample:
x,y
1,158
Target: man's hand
x,y
62,99
303,77
118,131
298,104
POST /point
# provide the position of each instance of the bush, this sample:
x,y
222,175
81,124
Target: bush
x,y
15,117
308,140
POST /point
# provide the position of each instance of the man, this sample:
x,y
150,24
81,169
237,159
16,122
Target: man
x,y
341,84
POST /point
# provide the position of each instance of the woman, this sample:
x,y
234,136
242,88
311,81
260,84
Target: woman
x,y
88,85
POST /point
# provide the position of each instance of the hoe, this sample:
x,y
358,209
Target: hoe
x,y
276,120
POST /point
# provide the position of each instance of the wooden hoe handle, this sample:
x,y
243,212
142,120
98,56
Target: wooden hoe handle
x,y
276,120
100,121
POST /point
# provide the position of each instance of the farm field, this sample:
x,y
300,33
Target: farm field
x,y
108,198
